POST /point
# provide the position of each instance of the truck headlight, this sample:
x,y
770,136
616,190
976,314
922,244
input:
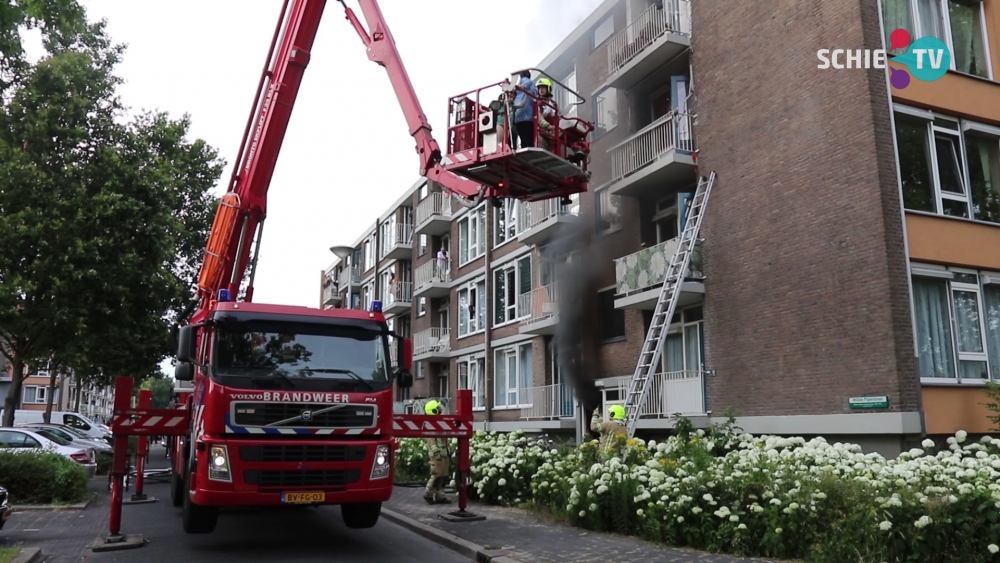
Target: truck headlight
x,y
380,469
218,464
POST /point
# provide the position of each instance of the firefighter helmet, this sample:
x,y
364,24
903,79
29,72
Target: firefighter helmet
x,y
617,412
432,408
544,82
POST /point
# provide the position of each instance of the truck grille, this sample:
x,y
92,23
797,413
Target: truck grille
x,y
303,453
293,478
269,414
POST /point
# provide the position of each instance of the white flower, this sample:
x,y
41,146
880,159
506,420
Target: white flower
x,y
961,435
741,527
993,548
680,520
885,525
924,521
639,512
583,513
502,482
928,443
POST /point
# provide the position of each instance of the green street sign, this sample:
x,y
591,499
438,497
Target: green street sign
x,y
877,402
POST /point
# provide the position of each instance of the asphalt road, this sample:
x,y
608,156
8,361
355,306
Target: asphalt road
x,y
242,535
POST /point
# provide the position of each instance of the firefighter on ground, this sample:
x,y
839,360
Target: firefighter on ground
x,y
613,434
440,459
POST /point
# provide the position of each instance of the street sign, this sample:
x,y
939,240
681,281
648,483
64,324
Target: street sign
x,y
876,402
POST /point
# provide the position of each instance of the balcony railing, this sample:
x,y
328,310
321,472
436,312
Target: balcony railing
x,y
349,276
530,214
399,292
432,340
436,203
537,305
548,402
670,393
330,293
674,17
399,234
432,272
648,267
673,131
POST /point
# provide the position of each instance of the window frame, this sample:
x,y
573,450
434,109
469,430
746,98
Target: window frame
x,y
594,43
943,9
617,338
473,217
515,352
507,232
600,128
40,390
600,216
515,267
480,307
474,379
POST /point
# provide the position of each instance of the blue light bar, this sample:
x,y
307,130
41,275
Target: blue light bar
x,y
376,306
223,295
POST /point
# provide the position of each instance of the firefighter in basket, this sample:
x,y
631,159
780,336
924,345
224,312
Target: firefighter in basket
x,y
440,459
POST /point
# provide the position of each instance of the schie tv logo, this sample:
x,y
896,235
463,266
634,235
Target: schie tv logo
x,y
927,59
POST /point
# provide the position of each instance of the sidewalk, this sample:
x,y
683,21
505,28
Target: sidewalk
x,y
531,539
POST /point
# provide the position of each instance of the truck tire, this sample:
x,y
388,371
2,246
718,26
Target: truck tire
x,y
362,515
198,519
177,489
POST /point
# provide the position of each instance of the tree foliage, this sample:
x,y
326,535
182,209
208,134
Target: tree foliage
x,y
163,391
102,220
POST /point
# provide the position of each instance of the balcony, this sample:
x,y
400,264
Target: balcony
x,y
433,215
350,278
656,157
399,298
654,38
640,276
538,310
431,280
549,402
539,221
670,393
399,244
331,295
431,344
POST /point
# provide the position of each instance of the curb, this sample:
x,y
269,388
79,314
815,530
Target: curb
x,y
41,507
28,555
475,552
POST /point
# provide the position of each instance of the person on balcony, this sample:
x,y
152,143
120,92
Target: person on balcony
x,y
524,110
442,263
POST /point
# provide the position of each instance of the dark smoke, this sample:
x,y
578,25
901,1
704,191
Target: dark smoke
x,y
578,260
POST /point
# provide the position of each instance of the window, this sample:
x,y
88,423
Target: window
x,y
368,295
472,375
422,192
13,439
442,380
422,246
35,394
605,111
684,346
369,252
607,212
565,98
958,326
472,235
612,320
509,283
604,30
961,24
421,306
949,167
472,308
505,221
512,371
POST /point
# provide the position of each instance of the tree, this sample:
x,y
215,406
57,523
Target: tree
x,y
163,391
102,223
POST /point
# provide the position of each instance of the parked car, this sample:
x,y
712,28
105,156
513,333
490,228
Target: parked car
x,y
71,419
73,435
16,440
5,508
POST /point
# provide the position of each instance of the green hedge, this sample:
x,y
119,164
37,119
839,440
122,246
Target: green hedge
x,y
42,478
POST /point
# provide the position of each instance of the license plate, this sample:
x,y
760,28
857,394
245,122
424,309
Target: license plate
x,y
302,498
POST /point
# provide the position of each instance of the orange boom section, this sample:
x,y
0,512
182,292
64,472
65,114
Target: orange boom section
x,y
218,241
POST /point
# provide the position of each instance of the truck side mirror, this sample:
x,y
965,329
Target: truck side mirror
x,y
186,344
184,372
404,379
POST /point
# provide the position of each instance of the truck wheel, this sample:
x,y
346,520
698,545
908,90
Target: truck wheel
x,y
177,490
363,515
198,519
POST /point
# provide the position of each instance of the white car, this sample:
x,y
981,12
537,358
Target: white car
x,y
20,439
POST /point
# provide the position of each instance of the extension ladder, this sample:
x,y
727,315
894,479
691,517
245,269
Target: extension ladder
x,y
652,347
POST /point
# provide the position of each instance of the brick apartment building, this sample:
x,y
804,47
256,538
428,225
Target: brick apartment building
x,y
851,246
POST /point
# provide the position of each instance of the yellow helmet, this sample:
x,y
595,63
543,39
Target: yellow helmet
x,y
432,408
617,412
544,82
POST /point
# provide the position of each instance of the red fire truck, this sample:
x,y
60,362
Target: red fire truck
x,y
294,405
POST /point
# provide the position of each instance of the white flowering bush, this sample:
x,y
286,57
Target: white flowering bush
x,y
722,490
412,460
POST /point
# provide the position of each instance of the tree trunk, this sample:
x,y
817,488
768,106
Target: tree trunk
x,y
47,417
13,401
79,393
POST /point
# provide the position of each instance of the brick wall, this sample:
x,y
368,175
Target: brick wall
x,y
806,300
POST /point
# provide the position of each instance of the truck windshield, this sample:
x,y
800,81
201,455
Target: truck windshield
x,y
293,352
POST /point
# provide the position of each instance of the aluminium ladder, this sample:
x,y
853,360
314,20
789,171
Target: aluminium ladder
x,y
652,347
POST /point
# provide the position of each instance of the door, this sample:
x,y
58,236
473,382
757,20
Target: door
x,y
679,95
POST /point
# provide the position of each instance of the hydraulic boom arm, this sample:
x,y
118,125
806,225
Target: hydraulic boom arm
x,y
382,50
241,213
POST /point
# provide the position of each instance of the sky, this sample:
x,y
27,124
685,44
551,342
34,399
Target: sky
x,y
347,154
